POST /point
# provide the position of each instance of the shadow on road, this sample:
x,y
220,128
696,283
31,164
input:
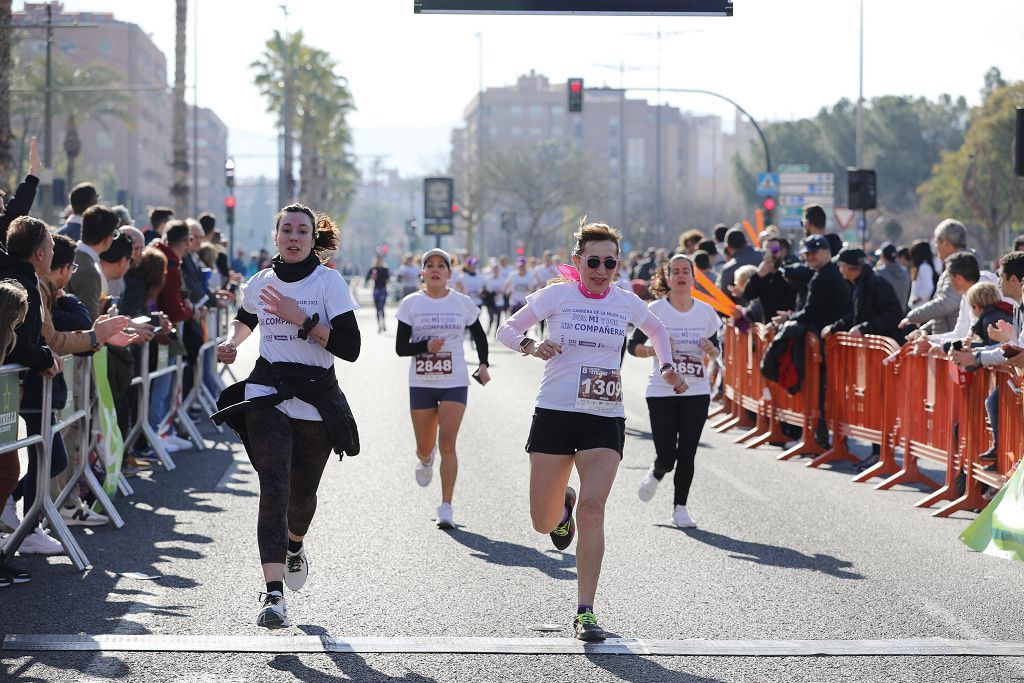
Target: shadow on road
x,y
641,670
514,555
772,555
352,666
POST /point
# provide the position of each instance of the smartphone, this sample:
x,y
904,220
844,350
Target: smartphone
x,y
142,320
154,319
1010,351
958,345
476,376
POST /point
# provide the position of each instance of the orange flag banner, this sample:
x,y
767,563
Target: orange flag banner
x,y
753,235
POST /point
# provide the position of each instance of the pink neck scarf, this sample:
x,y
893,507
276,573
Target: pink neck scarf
x,y
571,273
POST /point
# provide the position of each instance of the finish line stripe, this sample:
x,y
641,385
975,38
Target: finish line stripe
x,y
926,647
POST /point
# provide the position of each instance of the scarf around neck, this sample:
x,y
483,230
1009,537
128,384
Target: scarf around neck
x,y
293,272
570,273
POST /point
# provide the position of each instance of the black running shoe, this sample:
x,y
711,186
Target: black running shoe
x,y
13,574
585,627
564,533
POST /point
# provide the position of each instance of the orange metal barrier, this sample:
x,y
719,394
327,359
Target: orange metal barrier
x,y
881,394
859,404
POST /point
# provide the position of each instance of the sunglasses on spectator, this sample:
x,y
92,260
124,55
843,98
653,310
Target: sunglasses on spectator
x,y
775,250
74,268
609,263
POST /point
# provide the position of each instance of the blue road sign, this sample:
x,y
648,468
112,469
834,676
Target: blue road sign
x,y
767,184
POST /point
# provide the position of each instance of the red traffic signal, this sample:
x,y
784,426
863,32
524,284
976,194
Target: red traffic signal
x,y
383,249
229,202
519,251
575,95
769,203
455,208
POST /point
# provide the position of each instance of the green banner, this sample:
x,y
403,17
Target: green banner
x,y
9,398
999,529
111,444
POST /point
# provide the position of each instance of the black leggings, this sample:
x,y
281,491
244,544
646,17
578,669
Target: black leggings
x,y
676,423
289,456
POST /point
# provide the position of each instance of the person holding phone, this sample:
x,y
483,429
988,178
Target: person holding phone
x,y
579,419
431,326
768,285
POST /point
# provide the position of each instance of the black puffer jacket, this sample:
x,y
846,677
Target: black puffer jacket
x,y
875,309
828,299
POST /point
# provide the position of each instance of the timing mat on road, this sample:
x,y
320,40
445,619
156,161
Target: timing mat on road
x,y
925,647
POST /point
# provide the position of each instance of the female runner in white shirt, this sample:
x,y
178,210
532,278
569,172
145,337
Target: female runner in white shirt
x,y
431,325
677,420
579,418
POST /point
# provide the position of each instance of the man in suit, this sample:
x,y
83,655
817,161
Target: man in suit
x,y
99,229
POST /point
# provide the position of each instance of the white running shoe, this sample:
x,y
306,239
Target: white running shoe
x,y
296,569
40,543
9,520
81,515
274,612
182,444
648,485
444,516
425,470
682,518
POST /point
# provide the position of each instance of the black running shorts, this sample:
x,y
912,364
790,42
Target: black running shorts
x,y
563,432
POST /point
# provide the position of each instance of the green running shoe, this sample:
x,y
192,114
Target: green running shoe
x,y
564,533
585,627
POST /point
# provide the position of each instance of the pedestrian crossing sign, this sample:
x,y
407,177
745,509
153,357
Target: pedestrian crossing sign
x,y
767,184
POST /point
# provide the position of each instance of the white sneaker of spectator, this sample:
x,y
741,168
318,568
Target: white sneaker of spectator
x,y
180,443
169,445
9,520
39,543
81,515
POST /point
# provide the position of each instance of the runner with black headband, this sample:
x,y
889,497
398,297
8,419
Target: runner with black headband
x,y
677,420
290,412
431,326
579,418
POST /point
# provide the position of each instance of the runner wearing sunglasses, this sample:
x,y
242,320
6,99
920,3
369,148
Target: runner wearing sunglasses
x,y
431,326
579,418
677,420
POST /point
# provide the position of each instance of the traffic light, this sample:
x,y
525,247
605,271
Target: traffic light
x,y
229,209
575,95
455,209
769,209
860,185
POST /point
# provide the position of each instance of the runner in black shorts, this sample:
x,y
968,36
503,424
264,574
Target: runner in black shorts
x,y
579,418
379,276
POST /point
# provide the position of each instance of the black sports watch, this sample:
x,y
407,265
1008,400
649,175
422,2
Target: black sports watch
x,y
664,367
308,326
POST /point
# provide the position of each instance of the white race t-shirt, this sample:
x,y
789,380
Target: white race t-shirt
x,y
323,291
473,286
686,330
518,287
585,377
447,318
544,274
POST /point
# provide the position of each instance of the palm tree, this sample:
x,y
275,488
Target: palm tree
x,y
88,93
6,136
275,73
180,188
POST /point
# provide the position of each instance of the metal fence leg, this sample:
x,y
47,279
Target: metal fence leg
x,y
158,447
102,498
60,528
123,486
193,433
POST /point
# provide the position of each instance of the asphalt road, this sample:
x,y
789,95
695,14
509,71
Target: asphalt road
x,y
782,552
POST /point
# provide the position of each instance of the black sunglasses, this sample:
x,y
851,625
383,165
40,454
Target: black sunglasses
x,y
609,263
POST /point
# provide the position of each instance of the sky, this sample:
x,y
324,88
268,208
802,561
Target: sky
x,y
412,75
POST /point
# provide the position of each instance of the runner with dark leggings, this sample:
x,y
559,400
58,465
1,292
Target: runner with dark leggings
x,y
290,411
678,419
379,276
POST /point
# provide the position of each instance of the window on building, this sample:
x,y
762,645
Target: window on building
x,y
536,109
515,110
515,131
106,48
557,110
67,47
556,131
635,159
535,131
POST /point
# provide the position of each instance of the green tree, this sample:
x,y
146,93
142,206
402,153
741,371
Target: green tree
x,y
88,93
976,181
551,185
275,76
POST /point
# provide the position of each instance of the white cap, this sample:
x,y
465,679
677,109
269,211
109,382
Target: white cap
x,y
437,252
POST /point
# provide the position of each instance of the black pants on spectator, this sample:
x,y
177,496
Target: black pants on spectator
x,y
676,424
289,456
192,337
